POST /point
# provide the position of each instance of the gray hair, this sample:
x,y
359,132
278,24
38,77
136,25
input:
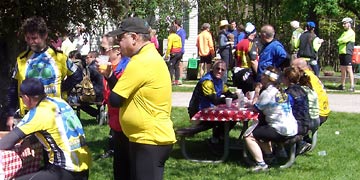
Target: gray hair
x,y
268,31
205,26
145,37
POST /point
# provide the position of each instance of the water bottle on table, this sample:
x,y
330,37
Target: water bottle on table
x,y
241,96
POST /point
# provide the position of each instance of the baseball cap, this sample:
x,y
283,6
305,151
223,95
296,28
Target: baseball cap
x,y
310,24
250,28
132,24
32,87
347,19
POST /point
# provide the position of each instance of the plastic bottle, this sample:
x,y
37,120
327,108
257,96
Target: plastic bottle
x,y
241,99
322,153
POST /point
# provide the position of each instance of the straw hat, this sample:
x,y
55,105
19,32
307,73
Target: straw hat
x,y
223,23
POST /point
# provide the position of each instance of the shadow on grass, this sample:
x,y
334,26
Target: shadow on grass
x,y
88,121
202,150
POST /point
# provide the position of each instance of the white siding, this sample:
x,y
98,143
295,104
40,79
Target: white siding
x,y
190,43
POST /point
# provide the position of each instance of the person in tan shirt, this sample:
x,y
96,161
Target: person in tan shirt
x,y
205,45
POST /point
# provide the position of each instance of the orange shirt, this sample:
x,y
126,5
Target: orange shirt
x,y
205,43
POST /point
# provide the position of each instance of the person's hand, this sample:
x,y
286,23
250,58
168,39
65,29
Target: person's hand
x,y
212,54
10,123
105,72
254,100
26,151
258,87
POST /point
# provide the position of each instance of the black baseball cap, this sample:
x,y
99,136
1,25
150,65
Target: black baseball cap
x,y
32,87
132,24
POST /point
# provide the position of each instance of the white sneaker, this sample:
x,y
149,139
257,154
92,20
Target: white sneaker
x,y
259,168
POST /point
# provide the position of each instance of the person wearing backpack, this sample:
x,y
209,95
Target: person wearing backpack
x,y
299,104
309,45
86,96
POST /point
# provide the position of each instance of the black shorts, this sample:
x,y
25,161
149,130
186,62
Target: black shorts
x,y
268,133
206,59
345,59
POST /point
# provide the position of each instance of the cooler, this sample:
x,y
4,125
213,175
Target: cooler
x,y
192,69
356,59
356,55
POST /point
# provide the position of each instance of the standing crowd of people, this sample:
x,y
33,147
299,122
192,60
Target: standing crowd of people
x,y
136,84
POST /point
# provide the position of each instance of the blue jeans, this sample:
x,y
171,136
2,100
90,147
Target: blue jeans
x,y
315,67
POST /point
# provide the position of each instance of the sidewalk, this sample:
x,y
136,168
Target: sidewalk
x,y
338,102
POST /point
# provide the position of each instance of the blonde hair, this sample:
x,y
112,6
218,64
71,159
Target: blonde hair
x,y
152,32
217,62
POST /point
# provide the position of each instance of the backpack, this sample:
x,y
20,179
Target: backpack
x,y
85,91
300,108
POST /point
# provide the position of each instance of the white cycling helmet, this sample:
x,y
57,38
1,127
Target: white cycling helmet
x,y
347,19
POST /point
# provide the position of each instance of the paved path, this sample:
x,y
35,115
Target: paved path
x,y
338,102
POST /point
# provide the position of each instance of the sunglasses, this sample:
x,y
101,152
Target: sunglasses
x,y
218,69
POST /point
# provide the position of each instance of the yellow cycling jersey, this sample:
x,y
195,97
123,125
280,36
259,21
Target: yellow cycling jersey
x,y
59,130
49,66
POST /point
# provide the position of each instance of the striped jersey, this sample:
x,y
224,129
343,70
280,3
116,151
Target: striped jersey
x,y
59,130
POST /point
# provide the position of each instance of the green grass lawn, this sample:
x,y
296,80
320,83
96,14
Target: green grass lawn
x,y
341,161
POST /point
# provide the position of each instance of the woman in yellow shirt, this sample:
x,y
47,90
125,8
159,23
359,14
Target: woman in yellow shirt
x,y
174,50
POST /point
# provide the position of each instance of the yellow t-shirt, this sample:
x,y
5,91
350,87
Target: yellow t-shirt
x,y
59,130
318,87
50,67
174,44
146,85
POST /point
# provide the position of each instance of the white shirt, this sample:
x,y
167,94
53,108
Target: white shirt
x,y
82,43
67,46
277,111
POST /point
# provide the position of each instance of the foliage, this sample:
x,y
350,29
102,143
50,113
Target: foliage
x,y
327,68
350,5
159,13
56,13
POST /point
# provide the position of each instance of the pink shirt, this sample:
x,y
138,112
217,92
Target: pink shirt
x,y
155,41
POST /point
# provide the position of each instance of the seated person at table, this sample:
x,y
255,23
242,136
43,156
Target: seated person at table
x,y
323,100
278,123
59,130
207,93
299,104
304,82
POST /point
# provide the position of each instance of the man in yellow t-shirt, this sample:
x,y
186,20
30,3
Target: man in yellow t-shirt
x,y
143,94
56,126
